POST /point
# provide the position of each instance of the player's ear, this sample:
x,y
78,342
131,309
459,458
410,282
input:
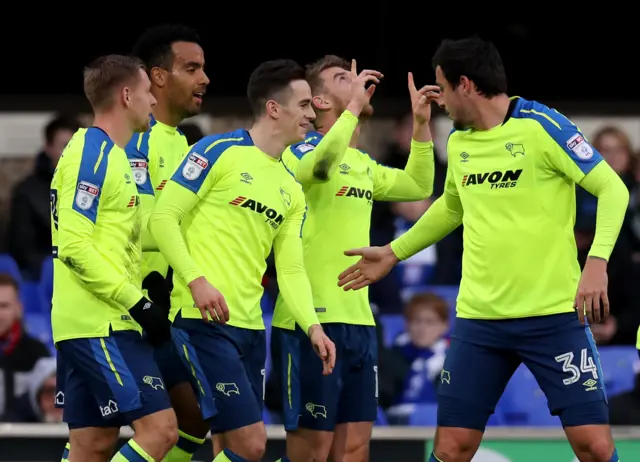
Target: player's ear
x,y
466,85
158,76
321,103
126,96
273,109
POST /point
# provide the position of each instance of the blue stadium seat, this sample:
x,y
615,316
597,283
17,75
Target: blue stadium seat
x,y
619,365
45,287
30,298
523,402
424,415
392,326
9,265
381,420
38,325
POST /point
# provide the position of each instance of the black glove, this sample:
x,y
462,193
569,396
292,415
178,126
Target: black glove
x,y
153,320
158,290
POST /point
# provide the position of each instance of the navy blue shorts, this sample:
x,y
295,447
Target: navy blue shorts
x,y
108,381
227,367
483,355
317,402
172,369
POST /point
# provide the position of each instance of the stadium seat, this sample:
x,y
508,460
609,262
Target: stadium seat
x,y
30,298
424,415
9,265
381,420
619,366
392,326
38,325
523,402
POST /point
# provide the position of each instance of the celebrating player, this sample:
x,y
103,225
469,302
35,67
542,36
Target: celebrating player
x,y
110,376
339,218
175,63
226,206
513,167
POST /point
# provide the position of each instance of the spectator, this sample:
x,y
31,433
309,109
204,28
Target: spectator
x,y
29,233
19,352
192,132
38,403
423,346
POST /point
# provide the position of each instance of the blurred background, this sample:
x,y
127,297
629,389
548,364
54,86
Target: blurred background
x,y
580,66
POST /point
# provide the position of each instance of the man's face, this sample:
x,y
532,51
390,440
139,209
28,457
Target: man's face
x,y
10,308
337,89
296,113
187,82
452,102
55,147
141,102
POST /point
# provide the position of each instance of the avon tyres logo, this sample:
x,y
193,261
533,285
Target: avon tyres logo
x,y
272,217
496,180
358,193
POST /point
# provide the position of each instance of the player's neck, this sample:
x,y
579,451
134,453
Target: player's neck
x,y
266,137
115,126
326,120
162,113
490,112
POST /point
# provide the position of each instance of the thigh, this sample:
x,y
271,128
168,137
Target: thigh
x,y
172,369
221,376
563,357
310,399
474,375
359,397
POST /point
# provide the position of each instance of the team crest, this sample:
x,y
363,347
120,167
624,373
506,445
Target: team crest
x,y
306,148
286,197
86,194
139,168
194,166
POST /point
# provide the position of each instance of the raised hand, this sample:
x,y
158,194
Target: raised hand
x,y
360,93
421,100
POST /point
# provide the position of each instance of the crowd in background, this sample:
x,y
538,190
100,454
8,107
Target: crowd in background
x,y
409,364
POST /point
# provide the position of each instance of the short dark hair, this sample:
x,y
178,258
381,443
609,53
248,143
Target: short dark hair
x,y
154,45
105,74
269,79
7,279
474,58
314,69
58,124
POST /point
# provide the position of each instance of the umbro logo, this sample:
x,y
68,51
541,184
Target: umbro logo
x,y
344,169
246,178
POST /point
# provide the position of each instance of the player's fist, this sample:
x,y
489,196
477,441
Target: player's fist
x,y
209,301
421,100
592,300
323,347
361,93
374,264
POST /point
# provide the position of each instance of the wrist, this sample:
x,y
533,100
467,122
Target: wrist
x,y
313,328
196,282
593,260
355,107
390,254
421,131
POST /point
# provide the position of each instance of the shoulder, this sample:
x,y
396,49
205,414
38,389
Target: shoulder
x,y
309,144
546,118
88,146
211,147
